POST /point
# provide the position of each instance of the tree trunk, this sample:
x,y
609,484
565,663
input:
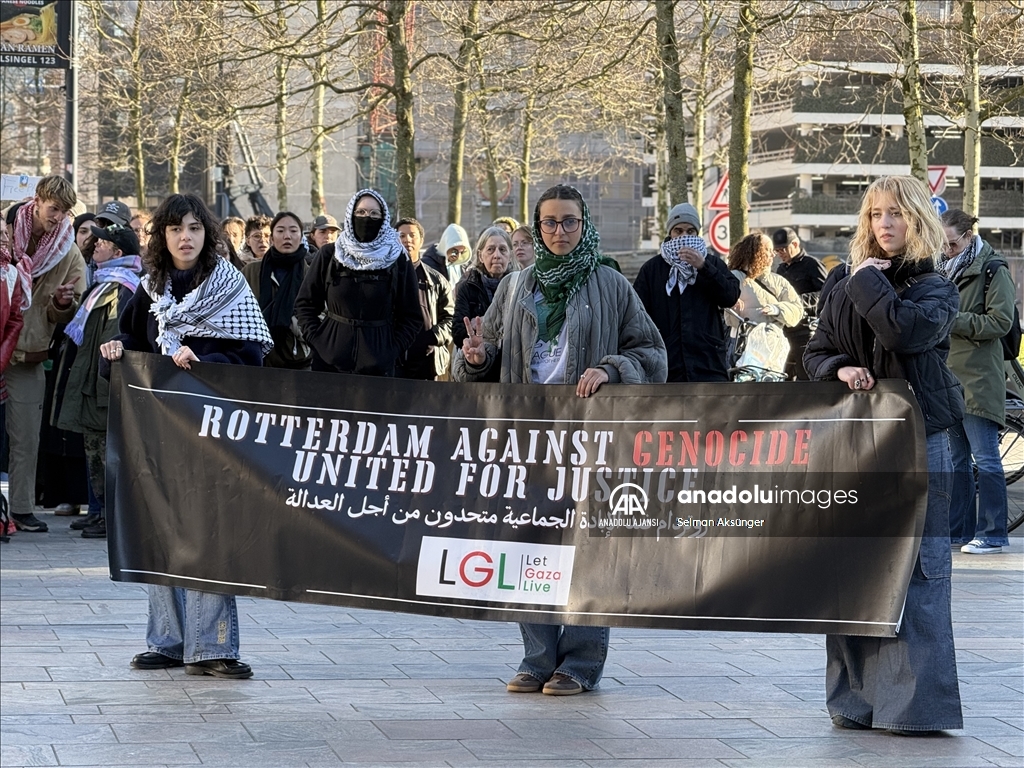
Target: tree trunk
x,y
672,97
700,111
316,157
910,82
460,119
405,131
135,111
972,120
281,114
174,159
739,140
662,172
523,209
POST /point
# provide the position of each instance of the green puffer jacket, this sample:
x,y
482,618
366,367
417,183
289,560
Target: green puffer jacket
x,y
976,353
606,326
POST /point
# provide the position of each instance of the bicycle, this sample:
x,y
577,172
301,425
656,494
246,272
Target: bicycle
x,y
748,371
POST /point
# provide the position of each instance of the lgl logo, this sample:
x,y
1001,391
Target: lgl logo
x,y
495,571
627,499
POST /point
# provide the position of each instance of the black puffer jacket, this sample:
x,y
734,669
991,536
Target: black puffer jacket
x,y
691,323
895,323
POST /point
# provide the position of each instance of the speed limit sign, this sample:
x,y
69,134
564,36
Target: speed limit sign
x,y
719,232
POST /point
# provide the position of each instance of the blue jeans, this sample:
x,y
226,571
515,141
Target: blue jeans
x,y
978,437
577,652
191,625
908,681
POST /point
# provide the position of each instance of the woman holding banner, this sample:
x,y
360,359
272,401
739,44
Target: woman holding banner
x,y
194,307
564,320
889,315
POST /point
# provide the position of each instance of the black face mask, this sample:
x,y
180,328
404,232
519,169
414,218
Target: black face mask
x,y
366,229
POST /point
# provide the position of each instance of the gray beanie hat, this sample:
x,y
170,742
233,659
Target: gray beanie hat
x,y
684,213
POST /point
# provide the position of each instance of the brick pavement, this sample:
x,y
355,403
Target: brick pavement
x,y
335,686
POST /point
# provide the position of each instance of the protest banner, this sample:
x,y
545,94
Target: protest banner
x,y
792,507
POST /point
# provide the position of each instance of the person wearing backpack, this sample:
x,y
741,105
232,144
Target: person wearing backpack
x,y
364,288
976,357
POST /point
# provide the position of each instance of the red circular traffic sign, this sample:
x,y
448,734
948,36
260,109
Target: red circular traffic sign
x,y
718,232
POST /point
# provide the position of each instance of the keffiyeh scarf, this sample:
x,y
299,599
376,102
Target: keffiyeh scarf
x,y
52,246
221,307
956,266
125,271
560,277
379,253
681,273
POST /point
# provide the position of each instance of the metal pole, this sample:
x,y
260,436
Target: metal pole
x,y
71,108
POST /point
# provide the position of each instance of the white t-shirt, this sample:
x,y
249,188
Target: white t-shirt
x,y
547,366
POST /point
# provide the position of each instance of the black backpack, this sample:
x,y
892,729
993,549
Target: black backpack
x,y
1011,341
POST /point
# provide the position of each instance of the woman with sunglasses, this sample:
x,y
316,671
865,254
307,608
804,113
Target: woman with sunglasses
x,y
364,287
976,357
567,319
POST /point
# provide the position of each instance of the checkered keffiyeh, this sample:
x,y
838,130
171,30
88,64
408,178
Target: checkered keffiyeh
x,y
222,307
681,273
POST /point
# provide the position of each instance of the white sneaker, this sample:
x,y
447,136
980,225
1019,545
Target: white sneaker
x,y
977,547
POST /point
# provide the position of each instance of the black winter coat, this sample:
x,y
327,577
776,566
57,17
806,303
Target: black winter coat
x,y
370,316
471,300
691,323
139,329
895,323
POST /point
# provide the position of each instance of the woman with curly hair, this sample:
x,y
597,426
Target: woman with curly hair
x,y
194,307
764,296
889,315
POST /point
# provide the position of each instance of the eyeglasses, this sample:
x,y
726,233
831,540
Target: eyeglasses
x,y
569,225
954,244
363,213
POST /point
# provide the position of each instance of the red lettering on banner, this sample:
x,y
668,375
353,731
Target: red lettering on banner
x,y
683,449
486,572
641,457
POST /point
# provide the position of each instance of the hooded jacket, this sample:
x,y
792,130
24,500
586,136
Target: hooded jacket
x,y
895,323
976,352
436,256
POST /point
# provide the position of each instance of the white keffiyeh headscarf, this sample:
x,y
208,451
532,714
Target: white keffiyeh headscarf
x,y
221,307
379,253
681,273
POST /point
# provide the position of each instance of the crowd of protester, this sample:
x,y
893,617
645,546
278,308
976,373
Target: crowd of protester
x,y
920,299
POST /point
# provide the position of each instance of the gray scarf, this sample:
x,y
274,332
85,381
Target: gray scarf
x,y
954,267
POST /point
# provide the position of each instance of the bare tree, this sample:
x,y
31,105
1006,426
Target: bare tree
x,y
672,98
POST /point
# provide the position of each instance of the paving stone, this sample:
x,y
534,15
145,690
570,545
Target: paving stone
x,y
126,754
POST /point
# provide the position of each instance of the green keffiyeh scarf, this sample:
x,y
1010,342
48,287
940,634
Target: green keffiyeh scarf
x,y
560,277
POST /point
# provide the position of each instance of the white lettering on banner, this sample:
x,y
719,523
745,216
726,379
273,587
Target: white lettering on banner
x,y
494,571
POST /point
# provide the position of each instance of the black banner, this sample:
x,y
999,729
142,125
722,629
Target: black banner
x,y
35,33
794,507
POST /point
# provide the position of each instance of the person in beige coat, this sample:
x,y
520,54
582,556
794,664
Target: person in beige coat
x,y
43,236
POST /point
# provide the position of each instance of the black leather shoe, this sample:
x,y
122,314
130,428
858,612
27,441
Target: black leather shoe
x,y
84,522
97,531
154,660
227,668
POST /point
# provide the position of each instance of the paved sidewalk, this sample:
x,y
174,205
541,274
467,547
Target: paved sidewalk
x,y
336,686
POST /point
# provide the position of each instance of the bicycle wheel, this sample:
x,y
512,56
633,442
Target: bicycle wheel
x,y
1011,451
